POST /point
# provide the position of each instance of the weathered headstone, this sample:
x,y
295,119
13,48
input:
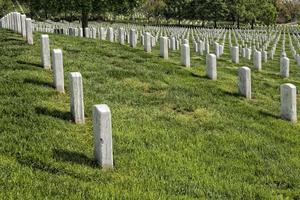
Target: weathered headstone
x,y
298,60
164,47
45,52
77,105
102,128
102,33
235,55
265,56
110,34
94,33
211,66
289,102
248,53
23,25
207,48
133,38
185,56
19,25
29,35
122,36
58,70
257,60
245,82
217,50
284,67
147,42
173,43
201,48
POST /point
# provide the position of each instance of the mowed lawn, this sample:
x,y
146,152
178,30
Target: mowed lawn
x,y
176,134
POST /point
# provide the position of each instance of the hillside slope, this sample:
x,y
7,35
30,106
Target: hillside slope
x,y
176,134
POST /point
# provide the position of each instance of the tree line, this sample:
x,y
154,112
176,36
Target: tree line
x,y
234,11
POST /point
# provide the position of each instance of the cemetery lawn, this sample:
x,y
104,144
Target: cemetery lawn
x,y
176,134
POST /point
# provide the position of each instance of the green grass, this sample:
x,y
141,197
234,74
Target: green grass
x,y
176,134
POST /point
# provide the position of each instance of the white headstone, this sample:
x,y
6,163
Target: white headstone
x,y
245,82
217,50
265,56
122,36
110,34
257,60
147,42
235,54
102,33
102,128
133,38
211,66
298,60
29,35
164,51
284,67
58,70
185,56
45,52
289,102
76,92
23,25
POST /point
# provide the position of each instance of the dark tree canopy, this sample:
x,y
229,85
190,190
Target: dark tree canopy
x,y
235,11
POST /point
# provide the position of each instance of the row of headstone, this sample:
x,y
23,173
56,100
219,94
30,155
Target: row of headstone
x,y
174,42
18,23
288,108
101,113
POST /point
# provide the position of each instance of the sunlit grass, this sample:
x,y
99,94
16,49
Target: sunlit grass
x,y
176,134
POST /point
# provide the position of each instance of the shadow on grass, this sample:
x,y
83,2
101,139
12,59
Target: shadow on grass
x,y
29,63
199,76
38,82
12,39
54,113
73,157
39,165
269,114
233,94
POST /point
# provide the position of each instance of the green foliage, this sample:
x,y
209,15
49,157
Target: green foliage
x,y
176,9
6,6
249,11
217,10
154,8
268,14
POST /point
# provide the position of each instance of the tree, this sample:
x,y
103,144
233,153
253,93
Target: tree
x,y
260,10
268,13
217,10
6,6
85,7
288,10
236,10
176,9
154,8
197,10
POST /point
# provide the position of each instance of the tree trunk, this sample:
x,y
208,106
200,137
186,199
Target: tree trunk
x,y
215,23
65,15
233,19
84,20
252,24
238,22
